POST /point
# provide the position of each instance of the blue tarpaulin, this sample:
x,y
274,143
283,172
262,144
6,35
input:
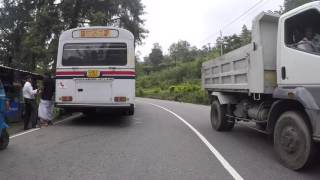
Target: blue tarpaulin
x,y
3,100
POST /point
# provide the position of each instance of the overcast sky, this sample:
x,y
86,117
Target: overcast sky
x,y
197,21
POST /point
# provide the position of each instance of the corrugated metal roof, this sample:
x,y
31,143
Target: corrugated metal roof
x,y
20,70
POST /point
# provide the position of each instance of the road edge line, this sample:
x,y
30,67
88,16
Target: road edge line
x,y
214,151
22,133
55,123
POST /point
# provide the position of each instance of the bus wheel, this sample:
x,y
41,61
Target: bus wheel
x,y
292,140
219,121
4,139
130,111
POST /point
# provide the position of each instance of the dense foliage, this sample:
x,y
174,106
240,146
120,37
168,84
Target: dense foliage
x,y
30,29
291,4
176,76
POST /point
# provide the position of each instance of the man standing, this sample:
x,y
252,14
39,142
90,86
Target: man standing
x,y
45,110
30,103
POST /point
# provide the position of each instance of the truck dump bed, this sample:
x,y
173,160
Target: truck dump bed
x,y
249,69
228,72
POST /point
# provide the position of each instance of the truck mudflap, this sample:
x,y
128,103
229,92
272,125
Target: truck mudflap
x,y
309,97
314,116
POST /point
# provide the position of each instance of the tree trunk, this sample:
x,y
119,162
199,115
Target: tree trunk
x,y
76,12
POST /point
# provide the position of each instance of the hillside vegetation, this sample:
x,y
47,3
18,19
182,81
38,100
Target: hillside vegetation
x,y
177,76
180,83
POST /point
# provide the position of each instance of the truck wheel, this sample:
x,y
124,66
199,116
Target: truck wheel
x,y
292,140
4,139
219,121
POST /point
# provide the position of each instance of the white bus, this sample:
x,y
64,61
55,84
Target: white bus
x,y
95,70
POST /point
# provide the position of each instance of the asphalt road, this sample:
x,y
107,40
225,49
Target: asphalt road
x,y
152,144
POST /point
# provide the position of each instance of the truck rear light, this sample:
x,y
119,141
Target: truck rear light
x,y
120,99
66,98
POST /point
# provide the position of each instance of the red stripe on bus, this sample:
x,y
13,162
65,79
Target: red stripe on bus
x,y
132,73
81,73
70,73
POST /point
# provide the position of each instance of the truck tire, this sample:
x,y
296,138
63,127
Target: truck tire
x,y
292,140
219,121
4,139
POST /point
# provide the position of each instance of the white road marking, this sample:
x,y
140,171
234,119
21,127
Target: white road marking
x,y
214,151
58,122
26,132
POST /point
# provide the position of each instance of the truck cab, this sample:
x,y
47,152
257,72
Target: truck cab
x,y
273,83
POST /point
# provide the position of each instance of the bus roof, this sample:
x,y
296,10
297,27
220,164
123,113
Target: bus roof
x,y
122,33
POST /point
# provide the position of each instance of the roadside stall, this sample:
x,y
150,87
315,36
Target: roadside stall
x,y
4,136
13,80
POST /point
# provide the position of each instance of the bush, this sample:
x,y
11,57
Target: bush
x,y
180,83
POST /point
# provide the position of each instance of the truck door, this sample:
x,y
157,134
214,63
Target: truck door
x,y
299,57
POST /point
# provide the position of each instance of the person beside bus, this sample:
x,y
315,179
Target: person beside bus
x,y
45,110
30,103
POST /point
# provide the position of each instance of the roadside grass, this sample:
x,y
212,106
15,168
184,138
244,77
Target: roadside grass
x,y
182,93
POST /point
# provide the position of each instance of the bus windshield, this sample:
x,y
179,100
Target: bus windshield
x,y
94,54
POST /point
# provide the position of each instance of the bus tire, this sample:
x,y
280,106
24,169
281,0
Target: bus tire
x,y
293,141
219,121
131,110
4,139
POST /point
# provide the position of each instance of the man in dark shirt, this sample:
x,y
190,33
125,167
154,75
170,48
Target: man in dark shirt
x,y
46,102
48,88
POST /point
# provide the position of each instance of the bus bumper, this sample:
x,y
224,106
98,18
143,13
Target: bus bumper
x,y
94,107
64,105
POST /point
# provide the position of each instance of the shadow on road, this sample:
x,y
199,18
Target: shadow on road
x,y
107,119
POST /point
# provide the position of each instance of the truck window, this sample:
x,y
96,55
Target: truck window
x,y
94,54
302,31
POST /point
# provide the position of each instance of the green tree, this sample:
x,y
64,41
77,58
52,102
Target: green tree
x,y
30,30
230,43
245,35
14,22
127,13
182,51
291,4
156,55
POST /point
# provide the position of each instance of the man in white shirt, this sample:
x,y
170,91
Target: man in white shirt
x,y
30,104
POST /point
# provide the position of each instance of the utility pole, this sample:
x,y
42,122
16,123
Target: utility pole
x,y
209,46
221,44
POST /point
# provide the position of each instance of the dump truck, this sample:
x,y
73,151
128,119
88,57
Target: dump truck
x,y
272,83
